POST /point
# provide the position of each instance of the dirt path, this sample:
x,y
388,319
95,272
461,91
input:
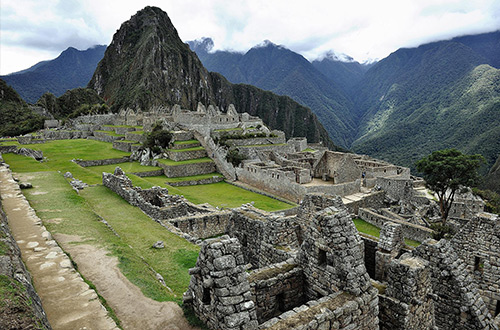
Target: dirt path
x,y
67,300
134,310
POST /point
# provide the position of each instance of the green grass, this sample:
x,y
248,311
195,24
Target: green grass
x,y
187,149
366,228
309,150
170,162
193,177
219,194
59,154
128,167
186,142
79,215
129,126
136,132
412,243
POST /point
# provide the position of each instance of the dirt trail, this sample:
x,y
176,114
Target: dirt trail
x,y
134,310
67,300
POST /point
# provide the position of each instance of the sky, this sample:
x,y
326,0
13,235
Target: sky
x,y
32,30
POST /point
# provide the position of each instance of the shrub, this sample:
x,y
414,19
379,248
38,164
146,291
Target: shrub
x,y
234,157
158,139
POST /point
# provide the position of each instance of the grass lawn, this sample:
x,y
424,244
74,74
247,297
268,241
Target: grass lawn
x,y
220,194
184,162
64,211
127,167
369,229
111,133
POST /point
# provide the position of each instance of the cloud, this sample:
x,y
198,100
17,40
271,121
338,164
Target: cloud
x,y
362,29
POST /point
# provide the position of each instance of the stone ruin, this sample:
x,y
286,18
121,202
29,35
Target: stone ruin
x,y
309,271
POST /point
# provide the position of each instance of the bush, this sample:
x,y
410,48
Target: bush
x,y
441,231
158,139
234,157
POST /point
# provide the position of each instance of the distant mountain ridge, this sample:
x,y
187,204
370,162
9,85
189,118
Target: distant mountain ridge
x,y
73,68
284,72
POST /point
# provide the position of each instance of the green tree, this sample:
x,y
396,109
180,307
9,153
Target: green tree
x,y
447,172
158,139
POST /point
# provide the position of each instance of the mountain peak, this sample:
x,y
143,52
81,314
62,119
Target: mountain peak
x,y
204,44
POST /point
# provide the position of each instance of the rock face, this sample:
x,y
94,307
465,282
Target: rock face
x,y
147,65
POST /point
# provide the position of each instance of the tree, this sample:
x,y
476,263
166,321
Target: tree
x,y
447,172
158,139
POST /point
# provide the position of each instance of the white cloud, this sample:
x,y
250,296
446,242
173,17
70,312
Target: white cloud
x,y
32,30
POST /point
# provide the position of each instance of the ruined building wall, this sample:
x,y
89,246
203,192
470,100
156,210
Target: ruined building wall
x,y
458,303
478,244
219,291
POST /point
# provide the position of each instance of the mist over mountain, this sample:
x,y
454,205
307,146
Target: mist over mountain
x,y
147,65
73,68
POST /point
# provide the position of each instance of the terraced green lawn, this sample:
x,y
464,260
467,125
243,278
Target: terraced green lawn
x,y
187,149
193,177
128,167
186,142
221,194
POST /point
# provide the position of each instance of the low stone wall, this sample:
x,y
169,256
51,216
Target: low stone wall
x,y
123,146
148,173
412,231
341,189
155,202
255,141
135,137
182,135
123,130
374,200
213,179
276,289
252,152
185,146
65,134
8,149
12,266
174,171
277,186
335,311
186,155
98,162
203,225
104,137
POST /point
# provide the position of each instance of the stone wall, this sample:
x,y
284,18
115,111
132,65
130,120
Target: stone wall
x,y
64,134
396,188
213,179
155,202
98,162
131,136
373,200
340,189
203,225
276,289
107,119
123,146
265,237
390,243
457,300
218,155
12,266
336,311
255,141
332,255
478,245
253,152
407,302
410,230
174,171
219,291
104,137
186,155
148,173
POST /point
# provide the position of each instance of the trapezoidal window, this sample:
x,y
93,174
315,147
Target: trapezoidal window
x,y
322,257
206,296
280,302
497,309
478,264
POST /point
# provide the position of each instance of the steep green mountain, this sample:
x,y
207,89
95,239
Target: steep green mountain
x,y
492,179
284,72
147,65
436,96
16,117
71,69
344,74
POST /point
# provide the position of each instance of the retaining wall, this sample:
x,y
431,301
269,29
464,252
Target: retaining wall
x,y
203,225
412,231
186,155
174,171
213,179
98,162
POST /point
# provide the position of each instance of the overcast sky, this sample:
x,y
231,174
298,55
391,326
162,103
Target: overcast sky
x,y
34,30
